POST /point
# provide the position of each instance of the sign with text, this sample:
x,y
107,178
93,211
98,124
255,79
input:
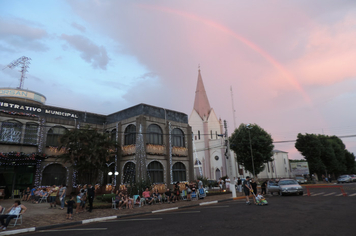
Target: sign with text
x,y
24,94
299,168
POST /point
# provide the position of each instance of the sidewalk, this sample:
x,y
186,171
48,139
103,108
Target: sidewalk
x,y
38,215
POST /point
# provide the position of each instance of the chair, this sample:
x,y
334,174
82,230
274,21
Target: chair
x,y
183,195
202,193
194,196
113,203
43,198
2,211
19,217
16,192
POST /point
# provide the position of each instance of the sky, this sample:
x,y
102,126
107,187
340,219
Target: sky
x,y
288,66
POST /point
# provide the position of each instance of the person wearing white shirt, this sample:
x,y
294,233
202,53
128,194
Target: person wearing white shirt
x,y
16,210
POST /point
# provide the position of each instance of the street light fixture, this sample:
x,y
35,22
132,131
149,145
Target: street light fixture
x,y
116,173
248,126
110,173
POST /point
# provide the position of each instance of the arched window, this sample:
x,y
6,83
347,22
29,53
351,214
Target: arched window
x,y
154,133
31,133
113,135
129,173
178,138
54,134
130,135
197,162
155,172
217,174
179,172
54,174
11,131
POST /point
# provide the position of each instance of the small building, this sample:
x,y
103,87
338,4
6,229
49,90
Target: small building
x,y
155,142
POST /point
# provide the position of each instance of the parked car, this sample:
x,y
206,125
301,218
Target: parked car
x,y
301,180
272,187
289,186
284,186
353,178
344,179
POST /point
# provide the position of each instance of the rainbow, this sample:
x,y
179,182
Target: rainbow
x,y
285,73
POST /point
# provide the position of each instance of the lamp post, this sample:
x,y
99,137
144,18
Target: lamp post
x,y
248,126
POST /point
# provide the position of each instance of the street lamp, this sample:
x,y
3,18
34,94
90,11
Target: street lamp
x,y
248,126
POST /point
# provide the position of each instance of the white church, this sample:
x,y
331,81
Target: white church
x,y
209,146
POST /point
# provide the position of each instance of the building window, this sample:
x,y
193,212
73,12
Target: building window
x,y
11,132
178,138
216,134
284,161
179,172
272,168
155,172
197,163
113,135
155,136
129,173
199,134
216,158
130,135
54,135
31,133
285,168
268,167
211,134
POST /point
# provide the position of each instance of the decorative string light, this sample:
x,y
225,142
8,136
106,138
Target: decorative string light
x,y
170,152
154,149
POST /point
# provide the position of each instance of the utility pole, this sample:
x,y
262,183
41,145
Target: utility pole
x,y
24,63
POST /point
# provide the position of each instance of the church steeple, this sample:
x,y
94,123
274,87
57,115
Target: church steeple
x,y
201,102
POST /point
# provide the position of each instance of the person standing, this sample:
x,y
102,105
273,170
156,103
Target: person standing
x,y
16,210
247,188
53,196
227,183
62,195
91,195
264,187
70,205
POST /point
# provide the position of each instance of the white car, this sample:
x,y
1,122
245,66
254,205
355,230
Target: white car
x,y
289,186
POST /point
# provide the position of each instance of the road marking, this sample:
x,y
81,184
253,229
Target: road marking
x,y
216,207
330,194
351,195
208,203
140,219
168,209
339,195
184,212
18,231
316,194
99,219
82,229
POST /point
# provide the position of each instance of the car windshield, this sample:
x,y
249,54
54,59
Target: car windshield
x,y
299,177
343,176
287,182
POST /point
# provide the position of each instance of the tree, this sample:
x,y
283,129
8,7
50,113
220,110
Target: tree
x,y
325,154
88,151
261,144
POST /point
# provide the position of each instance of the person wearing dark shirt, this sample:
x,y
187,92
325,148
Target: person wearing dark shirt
x,y
263,187
70,203
247,188
91,194
169,195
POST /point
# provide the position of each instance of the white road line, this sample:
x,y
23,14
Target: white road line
x,y
99,219
141,219
168,209
351,195
330,194
82,229
208,203
316,194
18,231
217,207
339,195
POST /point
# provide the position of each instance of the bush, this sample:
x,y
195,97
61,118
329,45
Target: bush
x,y
107,197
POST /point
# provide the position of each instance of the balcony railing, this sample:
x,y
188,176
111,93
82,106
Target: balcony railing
x,y
179,151
128,150
153,149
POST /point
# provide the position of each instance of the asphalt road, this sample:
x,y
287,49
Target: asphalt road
x,y
287,215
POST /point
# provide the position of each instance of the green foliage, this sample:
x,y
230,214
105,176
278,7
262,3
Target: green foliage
x,y
325,154
262,147
88,151
204,180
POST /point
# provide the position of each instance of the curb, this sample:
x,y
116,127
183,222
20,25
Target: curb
x,y
33,229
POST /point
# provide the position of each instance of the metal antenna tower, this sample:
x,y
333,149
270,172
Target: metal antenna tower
x,y
233,107
24,63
